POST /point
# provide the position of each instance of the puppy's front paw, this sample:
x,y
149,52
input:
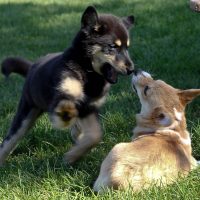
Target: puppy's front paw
x,y
64,114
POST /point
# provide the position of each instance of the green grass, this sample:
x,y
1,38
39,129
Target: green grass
x,y
165,41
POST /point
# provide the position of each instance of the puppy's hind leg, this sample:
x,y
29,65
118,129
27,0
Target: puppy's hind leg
x,y
23,120
90,136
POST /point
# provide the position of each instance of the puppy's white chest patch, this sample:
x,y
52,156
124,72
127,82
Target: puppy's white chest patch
x,y
72,87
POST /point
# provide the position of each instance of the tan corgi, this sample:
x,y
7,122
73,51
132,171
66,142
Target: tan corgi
x,y
160,150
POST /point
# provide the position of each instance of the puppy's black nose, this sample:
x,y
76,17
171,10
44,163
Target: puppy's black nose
x,y
129,71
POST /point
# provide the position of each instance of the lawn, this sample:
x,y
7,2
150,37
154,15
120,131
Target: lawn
x,y
165,41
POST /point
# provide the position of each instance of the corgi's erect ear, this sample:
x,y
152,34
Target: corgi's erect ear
x,y
186,96
162,117
128,21
89,19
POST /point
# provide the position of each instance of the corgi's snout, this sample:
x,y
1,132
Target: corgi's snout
x,y
139,72
138,77
136,72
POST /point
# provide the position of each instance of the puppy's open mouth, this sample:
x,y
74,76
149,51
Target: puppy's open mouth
x,y
109,73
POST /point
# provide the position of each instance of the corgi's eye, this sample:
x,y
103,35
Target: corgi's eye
x,y
145,90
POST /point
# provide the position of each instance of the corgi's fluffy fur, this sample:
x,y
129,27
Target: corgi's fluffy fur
x,y
161,147
72,85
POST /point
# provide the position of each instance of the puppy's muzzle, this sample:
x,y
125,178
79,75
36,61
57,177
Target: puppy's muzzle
x,y
129,67
129,70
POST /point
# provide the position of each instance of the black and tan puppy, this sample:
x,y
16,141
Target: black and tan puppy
x,y
71,86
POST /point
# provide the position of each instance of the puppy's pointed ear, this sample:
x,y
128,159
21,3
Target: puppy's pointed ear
x,y
162,117
128,21
89,19
186,96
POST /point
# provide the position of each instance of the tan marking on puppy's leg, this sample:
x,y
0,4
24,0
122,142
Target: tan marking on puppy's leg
x,y
91,136
72,87
64,114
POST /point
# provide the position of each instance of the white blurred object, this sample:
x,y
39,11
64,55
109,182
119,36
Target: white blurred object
x,y
195,5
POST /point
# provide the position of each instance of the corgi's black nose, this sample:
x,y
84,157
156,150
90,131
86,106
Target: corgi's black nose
x,y
137,71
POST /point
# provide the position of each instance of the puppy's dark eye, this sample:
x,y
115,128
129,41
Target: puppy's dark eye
x,y
113,46
145,90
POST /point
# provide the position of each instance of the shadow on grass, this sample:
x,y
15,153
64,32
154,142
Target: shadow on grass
x,y
165,41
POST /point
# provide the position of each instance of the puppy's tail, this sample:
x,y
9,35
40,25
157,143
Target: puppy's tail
x,y
15,65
